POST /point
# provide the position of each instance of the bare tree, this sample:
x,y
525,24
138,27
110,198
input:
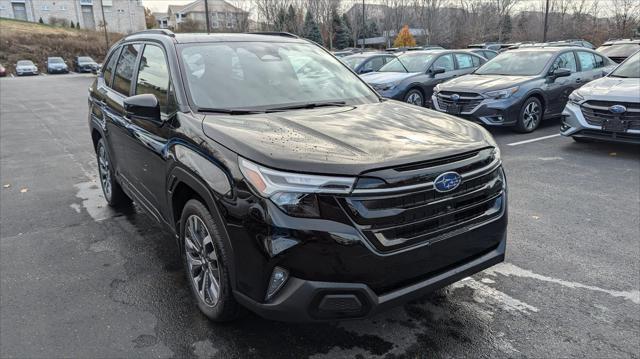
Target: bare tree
x,y
625,17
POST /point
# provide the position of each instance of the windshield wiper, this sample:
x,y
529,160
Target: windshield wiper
x,y
228,111
307,105
620,76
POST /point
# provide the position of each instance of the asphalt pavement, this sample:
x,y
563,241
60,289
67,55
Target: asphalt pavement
x,y
80,280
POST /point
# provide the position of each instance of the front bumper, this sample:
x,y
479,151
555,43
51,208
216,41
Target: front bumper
x,y
58,70
26,72
575,125
304,300
503,112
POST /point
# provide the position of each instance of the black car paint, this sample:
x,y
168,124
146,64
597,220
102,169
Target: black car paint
x,y
553,92
424,80
156,162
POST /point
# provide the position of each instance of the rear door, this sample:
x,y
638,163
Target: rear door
x,y
591,66
446,62
558,90
116,122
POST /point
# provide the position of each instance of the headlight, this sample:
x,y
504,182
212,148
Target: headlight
x,y
294,193
436,89
499,94
386,87
576,97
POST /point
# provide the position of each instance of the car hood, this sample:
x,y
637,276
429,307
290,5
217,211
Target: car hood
x,y
612,89
483,83
346,140
26,67
386,77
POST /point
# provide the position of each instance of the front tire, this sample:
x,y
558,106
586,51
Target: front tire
x,y
414,97
530,115
206,259
111,189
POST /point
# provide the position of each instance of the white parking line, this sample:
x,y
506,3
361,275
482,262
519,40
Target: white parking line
x,y
532,140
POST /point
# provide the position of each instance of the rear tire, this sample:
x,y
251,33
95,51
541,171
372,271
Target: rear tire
x,y
414,97
111,189
206,258
530,115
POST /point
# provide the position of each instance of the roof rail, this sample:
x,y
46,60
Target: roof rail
x,y
276,33
155,31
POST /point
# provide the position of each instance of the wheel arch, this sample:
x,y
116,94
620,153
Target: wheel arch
x,y
540,96
185,186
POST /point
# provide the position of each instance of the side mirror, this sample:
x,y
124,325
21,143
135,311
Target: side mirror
x,y
561,72
436,70
143,107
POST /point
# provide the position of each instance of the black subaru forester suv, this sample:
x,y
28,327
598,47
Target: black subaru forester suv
x,y
292,188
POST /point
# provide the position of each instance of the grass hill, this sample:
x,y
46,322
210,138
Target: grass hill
x,y
21,40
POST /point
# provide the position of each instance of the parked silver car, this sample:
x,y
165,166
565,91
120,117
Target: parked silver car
x,y
26,67
607,108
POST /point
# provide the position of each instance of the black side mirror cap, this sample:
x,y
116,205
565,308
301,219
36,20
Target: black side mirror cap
x,y
561,72
436,70
143,107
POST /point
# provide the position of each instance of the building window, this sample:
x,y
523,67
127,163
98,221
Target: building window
x,y
107,2
63,8
86,2
45,7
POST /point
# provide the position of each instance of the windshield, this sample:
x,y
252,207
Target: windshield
x,y
416,62
25,63
85,59
353,61
262,75
55,60
622,50
516,63
629,68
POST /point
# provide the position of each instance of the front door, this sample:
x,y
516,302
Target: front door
x,y
149,138
19,11
88,21
560,88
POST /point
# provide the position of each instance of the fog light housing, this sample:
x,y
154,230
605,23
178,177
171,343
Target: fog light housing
x,y
277,281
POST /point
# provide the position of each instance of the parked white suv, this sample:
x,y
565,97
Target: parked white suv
x,y
607,108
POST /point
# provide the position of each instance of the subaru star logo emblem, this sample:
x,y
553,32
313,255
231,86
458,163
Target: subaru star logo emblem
x,y
617,109
447,181
455,97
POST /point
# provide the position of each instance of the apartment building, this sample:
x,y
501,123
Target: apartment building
x,y
124,16
222,15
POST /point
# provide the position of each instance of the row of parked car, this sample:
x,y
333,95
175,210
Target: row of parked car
x,y
517,88
54,65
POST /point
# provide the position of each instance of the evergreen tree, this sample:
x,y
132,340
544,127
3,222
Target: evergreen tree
x,y
291,21
72,25
40,21
311,30
342,37
404,38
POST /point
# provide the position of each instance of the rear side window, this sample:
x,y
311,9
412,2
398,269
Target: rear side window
x,y
153,75
109,65
565,61
444,61
374,64
465,61
599,61
587,61
125,68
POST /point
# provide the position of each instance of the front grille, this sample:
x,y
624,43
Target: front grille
x,y
393,221
467,102
597,112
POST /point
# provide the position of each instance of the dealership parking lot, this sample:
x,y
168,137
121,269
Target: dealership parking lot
x,y
78,279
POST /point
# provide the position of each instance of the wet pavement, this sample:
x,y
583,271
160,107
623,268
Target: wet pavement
x,y
80,280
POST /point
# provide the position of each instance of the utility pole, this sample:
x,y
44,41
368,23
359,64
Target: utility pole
x,y
364,26
206,11
104,23
546,19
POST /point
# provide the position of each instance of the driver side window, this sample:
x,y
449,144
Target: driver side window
x,y
566,61
444,61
